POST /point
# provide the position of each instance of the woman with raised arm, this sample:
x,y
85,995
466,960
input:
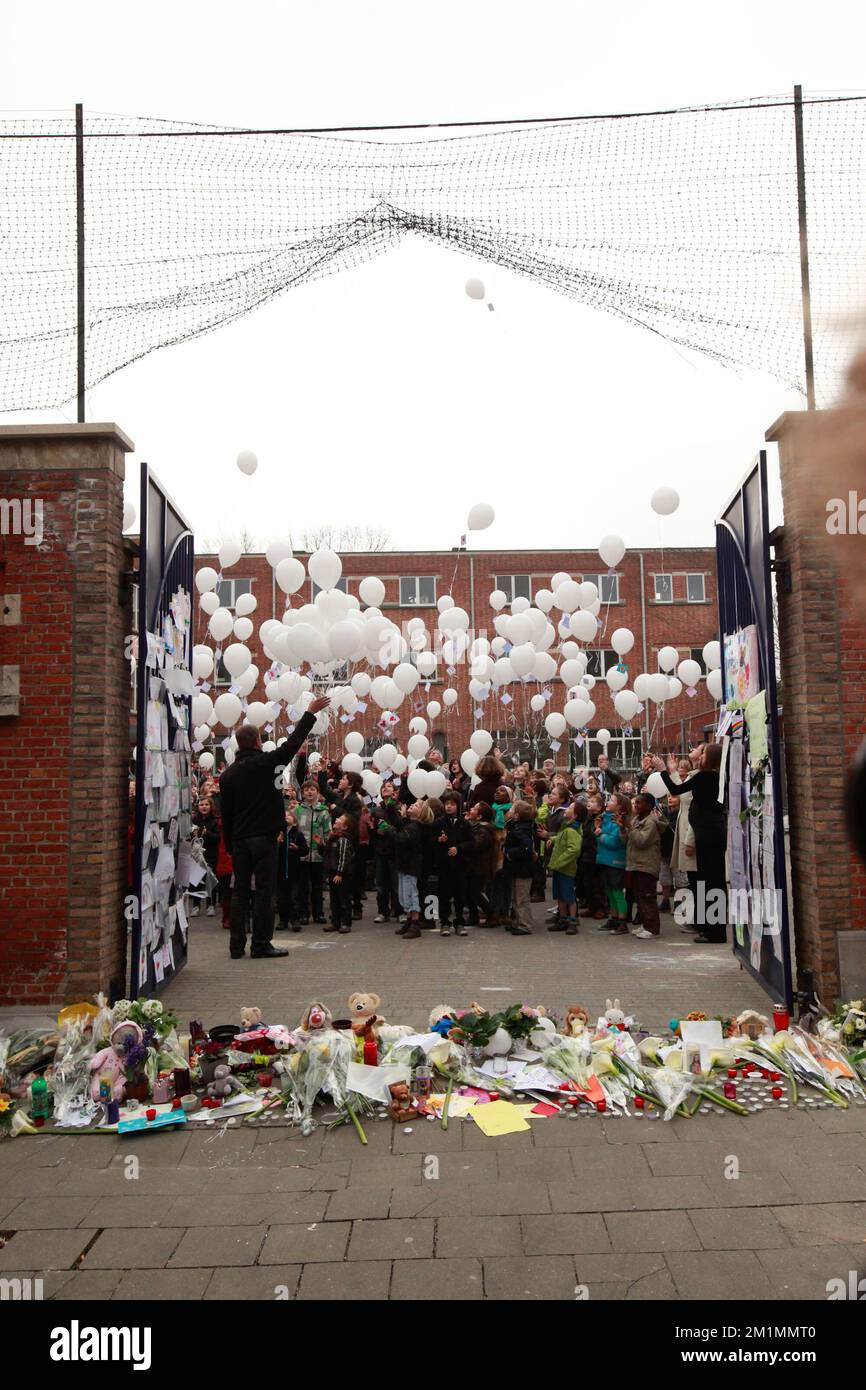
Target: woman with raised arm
x,y
707,820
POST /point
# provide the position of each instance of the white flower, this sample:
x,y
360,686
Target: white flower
x,y
152,1008
122,1010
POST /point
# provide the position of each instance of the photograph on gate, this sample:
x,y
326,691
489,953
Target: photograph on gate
x,y
433,676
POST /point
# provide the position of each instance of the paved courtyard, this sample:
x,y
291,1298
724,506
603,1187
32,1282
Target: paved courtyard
x,y
579,1207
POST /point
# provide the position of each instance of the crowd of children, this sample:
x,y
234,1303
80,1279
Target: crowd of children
x,y
478,856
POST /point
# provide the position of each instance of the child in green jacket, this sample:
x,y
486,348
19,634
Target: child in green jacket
x,y
565,849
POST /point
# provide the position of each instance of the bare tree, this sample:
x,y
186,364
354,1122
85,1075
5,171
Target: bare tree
x,y
366,539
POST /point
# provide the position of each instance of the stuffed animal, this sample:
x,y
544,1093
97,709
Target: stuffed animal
x,y
110,1061
403,1105
316,1018
362,1011
223,1084
576,1020
752,1025
250,1018
442,1020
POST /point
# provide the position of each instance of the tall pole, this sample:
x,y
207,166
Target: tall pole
x,y
804,249
79,238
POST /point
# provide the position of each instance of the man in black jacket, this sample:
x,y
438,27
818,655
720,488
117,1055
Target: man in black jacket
x,y
253,816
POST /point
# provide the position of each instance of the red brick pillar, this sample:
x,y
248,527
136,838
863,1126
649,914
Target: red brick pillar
x,y
64,712
822,643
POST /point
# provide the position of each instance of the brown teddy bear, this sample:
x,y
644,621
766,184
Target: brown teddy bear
x,y
576,1020
362,1011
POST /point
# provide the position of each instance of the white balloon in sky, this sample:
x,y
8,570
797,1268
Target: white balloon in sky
x,y
665,501
475,288
247,462
480,517
611,549
206,579
277,551
229,554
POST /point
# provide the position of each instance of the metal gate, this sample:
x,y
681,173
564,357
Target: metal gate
x,y
162,772
762,940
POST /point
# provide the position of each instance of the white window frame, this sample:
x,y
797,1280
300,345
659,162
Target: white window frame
x,y
342,584
599,580
416,580
703,578
665,574
505,582
236,592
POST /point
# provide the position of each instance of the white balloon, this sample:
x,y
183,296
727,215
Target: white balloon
x,y
481,742
654,785
325,568
436,782
206,578
202,662
399,765
384,756
570,672
482,668
202,708
480,517
588,593
468,761
277,551
247,462
712,654
474,288
604,737
714,683
555,724
289,574
417,782
205,761
243,629
675,688
361,683
229,553
622,640
588,681
544,668
209,602
444,603
406,677
290,687
544,600
434,709
418,746
576,713
237,658
372,782
521,660
344,639
479,690
245,604
668,658
417,725
272,691
611,549
657,687
372,591
519,628
453,620
246,682
227,709
559,578
625,704
689,673
352,763
567,596
354,742
616,679
202,732
449,696
640,686
537,703
498,600
426,663
129,516
221,624
665,501
583,625
258,713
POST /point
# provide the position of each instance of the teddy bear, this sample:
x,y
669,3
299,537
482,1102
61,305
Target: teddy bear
x,y
223,1084
250,1018
110,1061
576,1020
403,1106
362,1011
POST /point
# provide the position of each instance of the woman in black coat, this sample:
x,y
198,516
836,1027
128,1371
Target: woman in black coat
x,y
707,819
490,772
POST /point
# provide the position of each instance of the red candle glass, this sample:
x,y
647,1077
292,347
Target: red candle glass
x,y
730,1090
601,1106
639,1102
781,1018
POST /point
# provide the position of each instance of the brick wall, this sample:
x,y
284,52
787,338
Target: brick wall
x,y
64,748
470,579
823,658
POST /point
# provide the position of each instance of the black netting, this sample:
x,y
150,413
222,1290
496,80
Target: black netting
x,y
683,223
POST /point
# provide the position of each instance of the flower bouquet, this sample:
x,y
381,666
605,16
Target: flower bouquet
x,y
321,1065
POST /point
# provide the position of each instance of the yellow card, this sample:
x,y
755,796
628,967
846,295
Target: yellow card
x,y
499,1117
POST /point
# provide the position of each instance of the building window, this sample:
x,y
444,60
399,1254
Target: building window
x,y
607,585
514,586
695,588
697,654
600,661
342,584
229,591
418,591
624,753
664,588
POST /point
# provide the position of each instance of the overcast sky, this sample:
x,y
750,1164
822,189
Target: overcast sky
x,y
383,395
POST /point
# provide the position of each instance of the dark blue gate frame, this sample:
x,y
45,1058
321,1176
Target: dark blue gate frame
x,y
166,562
745,596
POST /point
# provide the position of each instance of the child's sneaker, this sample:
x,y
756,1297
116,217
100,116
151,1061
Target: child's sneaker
x,y
380,917
445,929
460,929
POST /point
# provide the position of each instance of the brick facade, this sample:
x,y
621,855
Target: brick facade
x,y
823,659
64,745
471,577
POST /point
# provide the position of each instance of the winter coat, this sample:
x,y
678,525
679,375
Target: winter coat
x,y
565,849
313,821
485,790
610,845
500,809
292,851
481,860
339,856
520,856
250,802
644,852
458,836
339,805
684,835
386,822
409,841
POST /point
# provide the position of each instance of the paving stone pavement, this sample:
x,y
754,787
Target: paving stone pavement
x,y
580,1207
